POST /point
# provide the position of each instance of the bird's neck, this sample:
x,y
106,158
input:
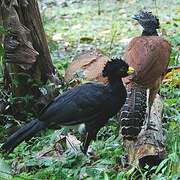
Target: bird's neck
x,y
116,85
150,32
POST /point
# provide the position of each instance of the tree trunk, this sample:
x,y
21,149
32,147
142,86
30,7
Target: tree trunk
x,y
27,62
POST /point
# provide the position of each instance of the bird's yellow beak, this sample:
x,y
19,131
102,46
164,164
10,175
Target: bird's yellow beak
x,y
130,70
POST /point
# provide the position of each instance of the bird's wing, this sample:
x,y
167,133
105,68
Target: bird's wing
x,y
79,105
147,56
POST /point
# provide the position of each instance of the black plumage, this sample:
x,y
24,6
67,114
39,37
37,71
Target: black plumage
x,y
91,103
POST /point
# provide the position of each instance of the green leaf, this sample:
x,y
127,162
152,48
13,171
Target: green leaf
x,y
121,176
161,165
106,177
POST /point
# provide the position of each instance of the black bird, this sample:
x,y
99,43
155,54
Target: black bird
x,y
91,104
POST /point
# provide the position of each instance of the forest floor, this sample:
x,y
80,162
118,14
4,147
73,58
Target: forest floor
x,y
72,27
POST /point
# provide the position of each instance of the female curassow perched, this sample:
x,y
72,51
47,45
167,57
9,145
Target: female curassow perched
x,y
91,104
149,54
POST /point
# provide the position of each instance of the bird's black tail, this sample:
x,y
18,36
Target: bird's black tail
x,y
133,112
26,132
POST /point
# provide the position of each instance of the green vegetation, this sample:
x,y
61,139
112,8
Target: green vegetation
x,y
71,29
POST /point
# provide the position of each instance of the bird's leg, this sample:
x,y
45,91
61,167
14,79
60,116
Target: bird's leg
x,y
149,124
148,112
151,93
92,129
90,135
86,143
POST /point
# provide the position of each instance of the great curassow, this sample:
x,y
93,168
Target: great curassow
x,y
91,104
149,54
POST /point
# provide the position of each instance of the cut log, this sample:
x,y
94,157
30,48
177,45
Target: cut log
x,y
87,66
149,147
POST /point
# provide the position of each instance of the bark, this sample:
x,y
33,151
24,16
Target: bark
x,y
149,147
27,62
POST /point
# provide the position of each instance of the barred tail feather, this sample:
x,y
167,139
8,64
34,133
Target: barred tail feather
x,y
26,132
133,112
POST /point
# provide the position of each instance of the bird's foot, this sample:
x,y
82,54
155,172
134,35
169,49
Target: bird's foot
x,y
83,149
86,151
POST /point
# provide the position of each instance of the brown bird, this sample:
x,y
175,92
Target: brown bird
x,y
149,55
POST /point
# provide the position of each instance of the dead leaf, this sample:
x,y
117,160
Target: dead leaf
x,y
172,77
